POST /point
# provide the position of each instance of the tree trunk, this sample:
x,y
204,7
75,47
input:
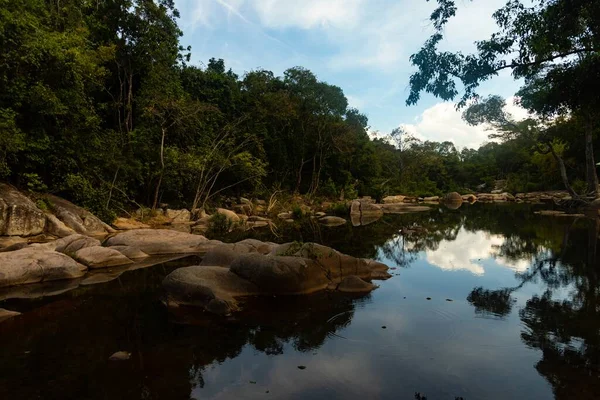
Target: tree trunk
x,y
162,169
563,172
590,164
299,181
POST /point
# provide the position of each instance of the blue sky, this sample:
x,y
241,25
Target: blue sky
x,y
363,46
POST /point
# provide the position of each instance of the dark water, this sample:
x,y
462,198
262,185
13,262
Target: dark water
x,y
523,323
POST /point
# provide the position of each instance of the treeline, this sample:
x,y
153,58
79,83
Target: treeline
x,y
99,103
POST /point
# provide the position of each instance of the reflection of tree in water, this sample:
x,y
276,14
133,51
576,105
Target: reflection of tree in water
x,y
566,330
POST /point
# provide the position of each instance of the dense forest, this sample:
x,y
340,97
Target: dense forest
x,y
101,104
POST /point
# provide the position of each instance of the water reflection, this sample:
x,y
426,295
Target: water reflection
x,y
523,322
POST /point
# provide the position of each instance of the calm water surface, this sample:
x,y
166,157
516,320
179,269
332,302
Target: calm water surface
x,y
513,314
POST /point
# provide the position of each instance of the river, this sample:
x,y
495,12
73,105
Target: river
x,y
486,302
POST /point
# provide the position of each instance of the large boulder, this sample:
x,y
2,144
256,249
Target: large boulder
x,y
75,217
364,212
36,264
453,197
224,254
19,216
162,241
71,244
211,288
101,257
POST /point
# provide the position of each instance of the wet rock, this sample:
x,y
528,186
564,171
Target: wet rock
x,y
133,253
32,265
384,327
7,314
224,254
332,221
128,224
320,214
161,241
210,288
120,356
428,298
453,197
433,199
469,198
301,367
353,284
101,257
19,216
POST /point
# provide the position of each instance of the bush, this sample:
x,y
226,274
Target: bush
x,y
219,225
340,209
297,212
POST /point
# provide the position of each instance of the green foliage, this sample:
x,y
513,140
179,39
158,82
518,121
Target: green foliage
x,y
297,212
339,209
219,225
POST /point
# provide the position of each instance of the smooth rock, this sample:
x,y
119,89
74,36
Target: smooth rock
x,y
77,218
32,265
353,284
101,257
56,227
161,241
120,356
133,253
393,199
178,216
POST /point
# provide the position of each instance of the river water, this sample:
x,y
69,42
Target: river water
x,y
485,302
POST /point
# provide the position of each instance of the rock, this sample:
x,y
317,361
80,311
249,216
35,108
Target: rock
x,y
285,215
365,212
133,253
453,197
332,221
8,242
231,216
56,227
433,199
363,220
211,288
71,244
120,356
101,257
320,214
470,198
161,241
224,254
76,218
178,216
198,213
411,199
19,216
128,224
7,314
393,199
353,284
32,265
402,208
243,209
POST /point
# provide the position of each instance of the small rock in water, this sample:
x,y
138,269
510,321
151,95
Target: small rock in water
x,y
253,382
384,327
120,356
429,298
301,367
449,300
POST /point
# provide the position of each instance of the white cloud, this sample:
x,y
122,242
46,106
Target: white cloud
x,y
443,122
467,251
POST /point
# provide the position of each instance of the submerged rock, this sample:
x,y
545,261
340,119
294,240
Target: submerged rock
x,y
353,284
7,314
133,253
332,221
120,356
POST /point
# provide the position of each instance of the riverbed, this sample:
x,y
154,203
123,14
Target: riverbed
x,y
489,301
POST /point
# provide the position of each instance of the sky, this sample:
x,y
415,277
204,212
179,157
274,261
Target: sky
x,y
362,46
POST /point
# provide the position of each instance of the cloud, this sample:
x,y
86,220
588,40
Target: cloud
x,y
467,251
443,122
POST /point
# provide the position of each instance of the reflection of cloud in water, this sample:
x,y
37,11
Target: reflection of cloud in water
x,y
467,251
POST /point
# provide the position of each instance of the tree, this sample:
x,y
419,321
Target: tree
x,y
552,44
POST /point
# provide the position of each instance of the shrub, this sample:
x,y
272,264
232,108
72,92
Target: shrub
x,y
340,209
219,225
